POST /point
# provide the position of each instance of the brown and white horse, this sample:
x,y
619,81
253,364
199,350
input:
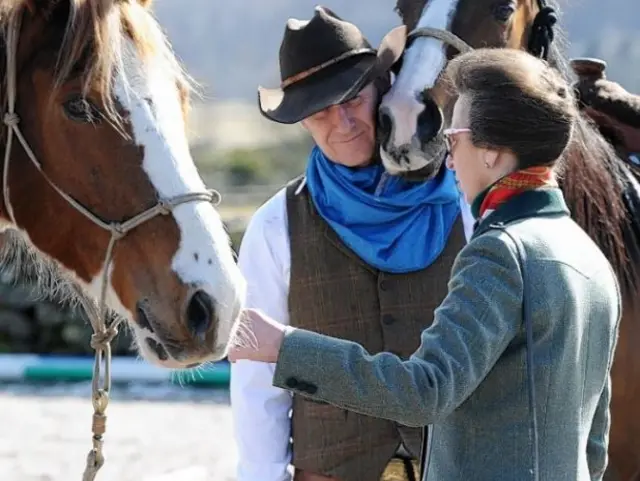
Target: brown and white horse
x,y
97,175
601,189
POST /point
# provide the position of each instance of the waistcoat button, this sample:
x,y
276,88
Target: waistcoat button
x,y
292,382
388,319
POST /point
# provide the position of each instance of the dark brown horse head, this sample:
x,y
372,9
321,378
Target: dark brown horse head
x,y
412,112
98,152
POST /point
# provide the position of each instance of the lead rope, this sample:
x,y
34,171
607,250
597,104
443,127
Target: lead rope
x,y
103,334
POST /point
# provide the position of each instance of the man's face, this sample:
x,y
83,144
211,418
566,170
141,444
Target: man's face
x,y
346,132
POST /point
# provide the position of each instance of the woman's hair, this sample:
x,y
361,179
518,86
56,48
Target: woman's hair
x,y
517,102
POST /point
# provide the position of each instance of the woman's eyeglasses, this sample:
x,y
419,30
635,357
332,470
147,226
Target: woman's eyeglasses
x,y
448,135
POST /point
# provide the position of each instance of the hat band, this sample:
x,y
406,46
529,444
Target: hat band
x,y
306,73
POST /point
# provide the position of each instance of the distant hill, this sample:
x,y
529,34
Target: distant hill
x,y
232,46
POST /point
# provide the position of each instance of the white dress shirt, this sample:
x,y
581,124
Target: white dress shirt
x,y
261,412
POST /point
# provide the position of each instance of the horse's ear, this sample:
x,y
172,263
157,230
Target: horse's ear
x,y
145,3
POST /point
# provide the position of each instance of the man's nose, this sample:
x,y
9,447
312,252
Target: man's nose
x,y
342,119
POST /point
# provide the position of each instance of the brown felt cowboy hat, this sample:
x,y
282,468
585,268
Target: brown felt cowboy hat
x,y
325,61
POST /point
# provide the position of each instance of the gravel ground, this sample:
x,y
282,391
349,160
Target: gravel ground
x,y
154,433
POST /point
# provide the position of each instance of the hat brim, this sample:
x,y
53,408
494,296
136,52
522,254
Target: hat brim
x,y
332,86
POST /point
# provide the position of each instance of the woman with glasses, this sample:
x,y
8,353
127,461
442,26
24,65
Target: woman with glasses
x,y
513,376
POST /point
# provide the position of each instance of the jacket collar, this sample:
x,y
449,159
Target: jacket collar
x,y
532,203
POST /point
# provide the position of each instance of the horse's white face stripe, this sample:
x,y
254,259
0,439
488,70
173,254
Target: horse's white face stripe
x,y
148,91
426,58
423,62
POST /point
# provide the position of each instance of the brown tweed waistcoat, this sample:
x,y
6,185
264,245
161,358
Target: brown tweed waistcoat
x,y
332,291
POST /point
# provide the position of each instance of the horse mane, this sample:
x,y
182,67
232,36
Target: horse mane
x,y
93,34
24,265
600,189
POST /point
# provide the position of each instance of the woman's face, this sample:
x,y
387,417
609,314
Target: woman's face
x,y
465,159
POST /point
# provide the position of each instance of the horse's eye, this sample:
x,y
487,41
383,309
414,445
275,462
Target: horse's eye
x,y
503,11
80,109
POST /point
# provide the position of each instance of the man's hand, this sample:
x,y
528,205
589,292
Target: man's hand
x,y
258,339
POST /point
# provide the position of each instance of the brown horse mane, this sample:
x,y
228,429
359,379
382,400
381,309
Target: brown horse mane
x,y
24,265
602,192
600,189
92,42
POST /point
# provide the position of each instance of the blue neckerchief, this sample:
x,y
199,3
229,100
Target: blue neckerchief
x,y
393,224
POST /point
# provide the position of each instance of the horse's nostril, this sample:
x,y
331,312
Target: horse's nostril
x,y
430,120
385,126
142,319
158,349
200,312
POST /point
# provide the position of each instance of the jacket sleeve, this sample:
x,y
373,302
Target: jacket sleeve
x,y
479,317
597,457
259,410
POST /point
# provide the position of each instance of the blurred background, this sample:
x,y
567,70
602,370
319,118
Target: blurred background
x,y
229,48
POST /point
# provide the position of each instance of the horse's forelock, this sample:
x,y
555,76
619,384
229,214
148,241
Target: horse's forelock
x,y
103,26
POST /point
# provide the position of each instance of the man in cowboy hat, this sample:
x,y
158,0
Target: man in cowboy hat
x,y
345,250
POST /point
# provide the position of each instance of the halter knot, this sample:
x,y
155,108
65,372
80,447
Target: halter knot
x,y
11,119
100,340
165,206
117,230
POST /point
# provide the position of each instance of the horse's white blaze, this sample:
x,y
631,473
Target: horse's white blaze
x,y
147,90
423,63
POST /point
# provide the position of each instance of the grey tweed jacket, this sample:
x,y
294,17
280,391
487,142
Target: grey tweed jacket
x,y
467,381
